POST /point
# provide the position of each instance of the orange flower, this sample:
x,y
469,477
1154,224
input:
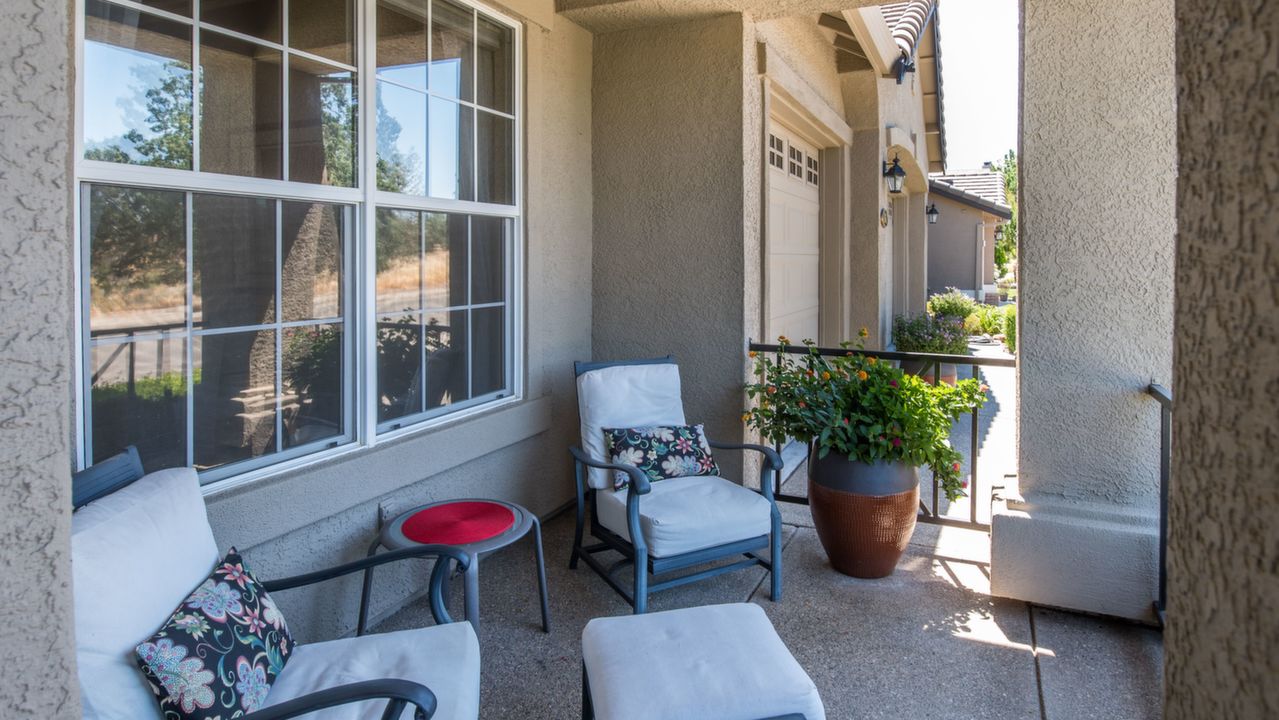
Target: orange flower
x,y
808,372
985,387
863,332
746,417
752,353
772,389
872,360
826,376
783,339
861,375
803,404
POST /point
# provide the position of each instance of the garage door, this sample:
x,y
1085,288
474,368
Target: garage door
x,y
791,294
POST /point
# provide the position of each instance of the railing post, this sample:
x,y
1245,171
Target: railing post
x,y
1165,462
972,462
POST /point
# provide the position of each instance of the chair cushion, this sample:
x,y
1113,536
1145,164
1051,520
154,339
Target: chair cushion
x,y
715,662
444,658
220,650
625,396
662,452
689,513
135,555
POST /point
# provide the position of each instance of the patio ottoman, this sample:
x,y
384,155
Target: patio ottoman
x,y
717,662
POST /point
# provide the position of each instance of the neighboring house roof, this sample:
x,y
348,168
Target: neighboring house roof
x,y
981,189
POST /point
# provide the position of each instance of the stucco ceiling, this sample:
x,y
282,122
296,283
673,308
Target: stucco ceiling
x,y
603,16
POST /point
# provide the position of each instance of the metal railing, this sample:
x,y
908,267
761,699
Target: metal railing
x,y
927,513
1164,396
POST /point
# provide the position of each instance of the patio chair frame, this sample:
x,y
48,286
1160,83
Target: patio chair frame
x,y
122,470
647,569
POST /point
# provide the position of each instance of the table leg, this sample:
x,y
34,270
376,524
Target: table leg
x,y
541,574
471,587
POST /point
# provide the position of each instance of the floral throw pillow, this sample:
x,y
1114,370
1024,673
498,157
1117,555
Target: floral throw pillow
x,y
221,649
660,452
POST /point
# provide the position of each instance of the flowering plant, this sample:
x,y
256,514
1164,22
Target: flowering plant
x,y
861,407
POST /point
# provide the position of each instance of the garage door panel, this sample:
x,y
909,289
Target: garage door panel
x,y
793,250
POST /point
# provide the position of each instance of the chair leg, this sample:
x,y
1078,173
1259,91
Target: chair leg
x,y
639,602
775,548
541,575
577,534
367,590
588,710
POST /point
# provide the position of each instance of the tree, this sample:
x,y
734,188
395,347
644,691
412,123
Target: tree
x,y
1006,247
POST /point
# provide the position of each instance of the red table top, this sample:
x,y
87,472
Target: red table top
x,y
458,523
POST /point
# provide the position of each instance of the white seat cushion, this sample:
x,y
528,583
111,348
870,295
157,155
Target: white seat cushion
x,y
689,513
625,396
444,658
135,555
716,662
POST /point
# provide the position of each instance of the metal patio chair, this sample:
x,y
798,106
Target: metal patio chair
x,y
673,524
141,543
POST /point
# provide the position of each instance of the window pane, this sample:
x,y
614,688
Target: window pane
x,y
452,47
399,365
488,259
495,65
401,139
312,237
446,364
322,121
401,44
240,111
234,397
139,398
137,260
399,272
497,157
445,260
178,7
325,28
313,372
452,150
488,345
259,18
137,88
233,268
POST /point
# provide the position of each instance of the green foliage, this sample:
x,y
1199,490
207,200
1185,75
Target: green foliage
x,y
951,304
147,389
925,333
1010,328
988,319
1006,246
857,406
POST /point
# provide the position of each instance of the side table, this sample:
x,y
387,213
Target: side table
x,y
475,526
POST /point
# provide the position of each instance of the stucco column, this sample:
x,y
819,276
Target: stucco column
x,y
35,361
1098,172
1223,547
870,254
917,257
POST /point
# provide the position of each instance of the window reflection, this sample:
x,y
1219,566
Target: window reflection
x,y
401,139
401,44
240,107
496,146
312,237
399,365
137,87
139,397
452,145
235,398
447,372
495,65
233,268
312,381
325,28
488,259
452,50
488,343
323,144
259,18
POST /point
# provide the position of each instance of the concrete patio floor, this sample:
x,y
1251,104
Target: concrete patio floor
x,y
926,642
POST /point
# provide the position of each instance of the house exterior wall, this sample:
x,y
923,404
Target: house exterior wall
x,y
1084,534
677,169
36,373
1223,546
952,246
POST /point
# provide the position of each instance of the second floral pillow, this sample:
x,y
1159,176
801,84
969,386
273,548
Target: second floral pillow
x,y
662,452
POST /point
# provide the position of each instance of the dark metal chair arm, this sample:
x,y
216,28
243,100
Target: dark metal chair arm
x,y
399,695
420,551
639,481
771,456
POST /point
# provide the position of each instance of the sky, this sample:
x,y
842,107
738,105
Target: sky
x,y
979,80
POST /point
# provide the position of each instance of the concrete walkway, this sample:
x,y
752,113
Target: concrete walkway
x,y
927,642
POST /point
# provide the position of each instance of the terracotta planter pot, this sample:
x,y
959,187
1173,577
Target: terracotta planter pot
x,y
949,372
864,514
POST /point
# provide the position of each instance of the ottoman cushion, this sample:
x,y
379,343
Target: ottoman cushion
x,y
717,662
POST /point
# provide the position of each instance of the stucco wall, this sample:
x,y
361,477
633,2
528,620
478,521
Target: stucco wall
x,y
1098,170
329,512
1223,592
807,51
672,210
35,363
952,246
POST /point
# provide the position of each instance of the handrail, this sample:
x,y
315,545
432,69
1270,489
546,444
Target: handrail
x,y
1164,396
927,514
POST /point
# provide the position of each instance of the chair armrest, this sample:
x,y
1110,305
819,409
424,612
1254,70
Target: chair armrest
x,y
773,461
398,693
420,551
639,483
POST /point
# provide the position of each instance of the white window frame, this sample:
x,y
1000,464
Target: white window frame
x,y
359,318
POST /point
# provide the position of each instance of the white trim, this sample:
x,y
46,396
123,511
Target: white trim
x,y
106,173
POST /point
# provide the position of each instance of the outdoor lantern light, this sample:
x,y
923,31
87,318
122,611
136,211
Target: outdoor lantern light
x,y
933,214
896,175
999,232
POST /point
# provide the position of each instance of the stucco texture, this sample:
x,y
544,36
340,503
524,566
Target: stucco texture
x,y
672,214
952,245
329,512
1223,575
35,363
1098,170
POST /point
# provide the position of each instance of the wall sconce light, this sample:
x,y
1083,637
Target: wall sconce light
x,y
999,232
896,175
933,214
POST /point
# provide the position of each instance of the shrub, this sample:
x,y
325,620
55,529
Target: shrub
x,y
1010,328
952,303
987,319
927,334
972,324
